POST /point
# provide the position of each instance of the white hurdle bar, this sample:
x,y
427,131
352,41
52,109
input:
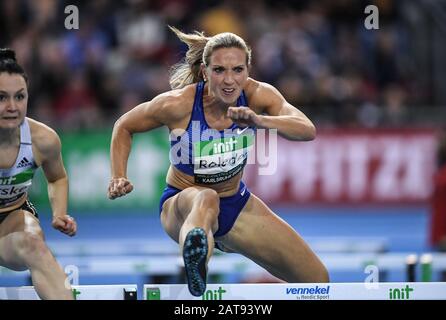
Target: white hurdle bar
x,y
90,292
227,263
76,247
298,291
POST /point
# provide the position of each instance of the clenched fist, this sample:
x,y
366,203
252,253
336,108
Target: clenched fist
x,y
119,187
65,224
244,116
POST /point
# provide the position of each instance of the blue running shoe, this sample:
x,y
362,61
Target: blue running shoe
x,y
195,250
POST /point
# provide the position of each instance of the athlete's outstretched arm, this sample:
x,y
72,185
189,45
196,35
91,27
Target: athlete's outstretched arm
x,y
276,113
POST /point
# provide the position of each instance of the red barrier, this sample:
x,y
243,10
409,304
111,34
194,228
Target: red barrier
x,y
347,167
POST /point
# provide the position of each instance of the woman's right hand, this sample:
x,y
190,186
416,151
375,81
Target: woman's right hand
x,y
119,187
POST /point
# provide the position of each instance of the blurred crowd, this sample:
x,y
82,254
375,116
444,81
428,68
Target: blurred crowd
x,y
317,53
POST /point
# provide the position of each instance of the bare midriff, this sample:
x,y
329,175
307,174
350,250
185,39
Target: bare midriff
x,y
16,204
181,181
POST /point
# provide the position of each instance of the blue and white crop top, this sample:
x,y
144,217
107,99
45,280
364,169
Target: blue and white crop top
x,y
210,155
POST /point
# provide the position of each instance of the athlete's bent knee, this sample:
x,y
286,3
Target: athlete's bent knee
x,y
208,198
30,246
206,204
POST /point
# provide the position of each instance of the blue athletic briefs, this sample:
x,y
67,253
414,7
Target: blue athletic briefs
x,y
230,207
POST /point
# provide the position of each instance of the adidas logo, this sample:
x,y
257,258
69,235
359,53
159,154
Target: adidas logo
x,y
23,163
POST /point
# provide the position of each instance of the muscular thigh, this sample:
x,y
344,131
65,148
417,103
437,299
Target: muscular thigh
x,y
16,222
176,209
20,220
262,236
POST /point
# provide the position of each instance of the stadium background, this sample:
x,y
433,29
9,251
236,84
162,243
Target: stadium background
x,y
377,98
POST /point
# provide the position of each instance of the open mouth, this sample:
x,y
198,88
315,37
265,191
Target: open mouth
x,y
228,91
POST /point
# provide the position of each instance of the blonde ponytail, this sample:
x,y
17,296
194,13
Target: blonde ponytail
x,y
188,71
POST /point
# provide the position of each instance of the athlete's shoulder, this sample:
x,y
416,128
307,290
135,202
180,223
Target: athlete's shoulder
x,y
39,129
43,137
258,92
177,102
253,87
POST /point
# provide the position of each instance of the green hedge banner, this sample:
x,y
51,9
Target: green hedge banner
x,y
87,161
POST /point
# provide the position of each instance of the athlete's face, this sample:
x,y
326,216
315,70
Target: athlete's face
x,y
227,74
13,100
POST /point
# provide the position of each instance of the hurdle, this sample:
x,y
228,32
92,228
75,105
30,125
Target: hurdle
x,y
162,247
87,292
247,291
230,263
299,291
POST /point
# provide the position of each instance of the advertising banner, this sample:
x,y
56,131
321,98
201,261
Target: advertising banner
x,y
347,167
87,161
338,167
299,291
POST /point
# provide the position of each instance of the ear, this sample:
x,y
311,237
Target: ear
x,y
203,72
